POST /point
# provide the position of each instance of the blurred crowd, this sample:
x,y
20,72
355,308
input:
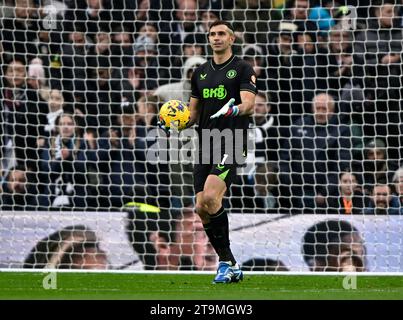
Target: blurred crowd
x,y
82,82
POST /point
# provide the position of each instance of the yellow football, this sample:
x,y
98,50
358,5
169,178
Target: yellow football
x,y
174,113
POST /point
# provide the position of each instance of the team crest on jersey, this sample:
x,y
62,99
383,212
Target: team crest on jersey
x,y
231,74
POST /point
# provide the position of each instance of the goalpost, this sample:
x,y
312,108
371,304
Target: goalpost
x,y
89,182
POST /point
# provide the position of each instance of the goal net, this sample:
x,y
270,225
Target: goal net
x,y
89,181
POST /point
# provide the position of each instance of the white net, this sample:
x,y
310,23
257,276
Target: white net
x,y
81,85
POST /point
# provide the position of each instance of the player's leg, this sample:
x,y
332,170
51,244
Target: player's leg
x,y
215,221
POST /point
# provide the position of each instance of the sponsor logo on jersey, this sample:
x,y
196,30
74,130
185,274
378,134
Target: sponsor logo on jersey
x,y
203,76
219,93
231,74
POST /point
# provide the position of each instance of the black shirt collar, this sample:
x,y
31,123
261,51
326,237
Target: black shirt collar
x,y
221,65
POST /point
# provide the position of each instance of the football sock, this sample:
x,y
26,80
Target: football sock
x,y
218,232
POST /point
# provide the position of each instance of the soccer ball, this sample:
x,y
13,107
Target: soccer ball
x,y
174,113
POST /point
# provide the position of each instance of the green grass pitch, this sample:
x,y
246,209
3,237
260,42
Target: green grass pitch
x,y
27,285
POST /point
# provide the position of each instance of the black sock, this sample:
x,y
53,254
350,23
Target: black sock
x,y
218,233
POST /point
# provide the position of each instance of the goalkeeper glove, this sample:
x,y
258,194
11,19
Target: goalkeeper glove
x,y
167,130
228,110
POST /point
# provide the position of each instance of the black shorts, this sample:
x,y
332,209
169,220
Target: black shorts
x,y
226,172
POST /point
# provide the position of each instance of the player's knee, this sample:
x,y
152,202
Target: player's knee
x,y
210,200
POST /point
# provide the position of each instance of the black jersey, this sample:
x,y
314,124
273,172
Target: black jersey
x,y
214,84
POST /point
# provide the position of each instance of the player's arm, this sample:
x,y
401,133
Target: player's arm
x,y
194,111
248,92
247,105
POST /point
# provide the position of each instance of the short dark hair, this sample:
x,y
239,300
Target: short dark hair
x,y
43,252
222,22
319,237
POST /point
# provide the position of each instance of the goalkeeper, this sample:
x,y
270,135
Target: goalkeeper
x,y
222,98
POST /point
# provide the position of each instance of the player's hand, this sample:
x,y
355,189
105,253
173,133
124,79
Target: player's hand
x,y
168,130
228,110
161,125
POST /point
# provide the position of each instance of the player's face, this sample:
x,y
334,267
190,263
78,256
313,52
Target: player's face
x,y
221,38
351,257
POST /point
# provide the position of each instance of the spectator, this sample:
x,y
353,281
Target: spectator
x,y
398,186
74,62
102,99
177,243
297,11
340,58
100,51
207,17
173,33
334,245
256,190
56,107
254,55
318,149
383,202
22,123
322,17
89,16
309,65
131,84
122,47
285,90
146,62
73,247
147,11
149,30
19,32
180,90
375,167
193,45
147,114
265,136
378,71
18,191
121,162
37,81
65,163
266,130
252,18
347,198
